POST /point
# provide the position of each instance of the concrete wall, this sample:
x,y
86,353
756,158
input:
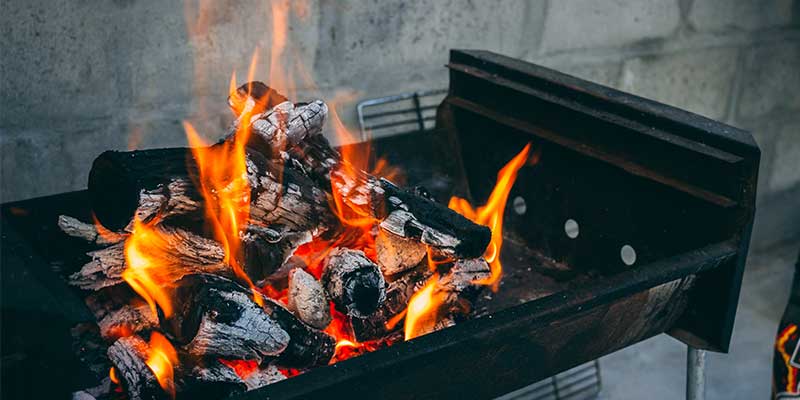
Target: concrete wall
x,y
79,77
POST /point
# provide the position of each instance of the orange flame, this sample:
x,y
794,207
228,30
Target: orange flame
x,y
226,190
491,214
423,309
112,374
780,344
161,360
147,264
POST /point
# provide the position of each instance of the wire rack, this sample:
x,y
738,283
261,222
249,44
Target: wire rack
x,y
416,111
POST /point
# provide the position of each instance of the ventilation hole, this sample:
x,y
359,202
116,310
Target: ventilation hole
x,y
628,255
571,228
519,205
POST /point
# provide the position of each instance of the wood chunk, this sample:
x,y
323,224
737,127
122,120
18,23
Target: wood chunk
x,y
307,299
146,183
397,254
398,294
184,253
128,355
88,232
308,347
127,320
209,378
353,282
267,249
216,317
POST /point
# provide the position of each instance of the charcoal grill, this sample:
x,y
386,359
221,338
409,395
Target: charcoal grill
x,y
662,202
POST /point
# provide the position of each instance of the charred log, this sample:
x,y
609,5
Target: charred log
x,y
128,355
267,249
308,347
216,317
353,282
398,294
162,182
307,299
127,320
183,253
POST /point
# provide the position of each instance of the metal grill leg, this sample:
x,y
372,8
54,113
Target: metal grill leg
x,y
695,374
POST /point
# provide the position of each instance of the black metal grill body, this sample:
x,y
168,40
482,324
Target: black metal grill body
x,y
676,188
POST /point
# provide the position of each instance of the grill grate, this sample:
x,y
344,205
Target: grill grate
x,y
398,114
404,113
580,383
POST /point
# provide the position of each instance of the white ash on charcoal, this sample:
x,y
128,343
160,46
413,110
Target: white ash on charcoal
x,y
353,282
215,317
263,377
307,299
397,254
127,320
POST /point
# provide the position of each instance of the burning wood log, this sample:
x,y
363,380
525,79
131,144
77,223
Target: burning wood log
x,y
308,347
88,232
404,213
267,249
146,183
215,317
458,288
307,299
397,254
353,282
193,253
398,294
127,320
129,356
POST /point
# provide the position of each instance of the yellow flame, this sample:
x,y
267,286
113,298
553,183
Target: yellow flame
x,y
491,214
146,263
161,360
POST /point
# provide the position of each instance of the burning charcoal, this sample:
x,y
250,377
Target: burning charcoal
x,y
398,293
209,378
263,377
405,213
267,249
308,347
353,282
217,317
397,254
188,252
129,356
146,183
127,320
88,232
307,299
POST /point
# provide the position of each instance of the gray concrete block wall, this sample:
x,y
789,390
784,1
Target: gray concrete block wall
x,y
81,77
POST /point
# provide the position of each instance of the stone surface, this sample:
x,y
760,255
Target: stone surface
x,y
720,15
786,165
771,80
577,24
698,81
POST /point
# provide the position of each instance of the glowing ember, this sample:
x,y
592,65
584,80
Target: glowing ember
x,y
491,214
161,360
780,344
243,368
